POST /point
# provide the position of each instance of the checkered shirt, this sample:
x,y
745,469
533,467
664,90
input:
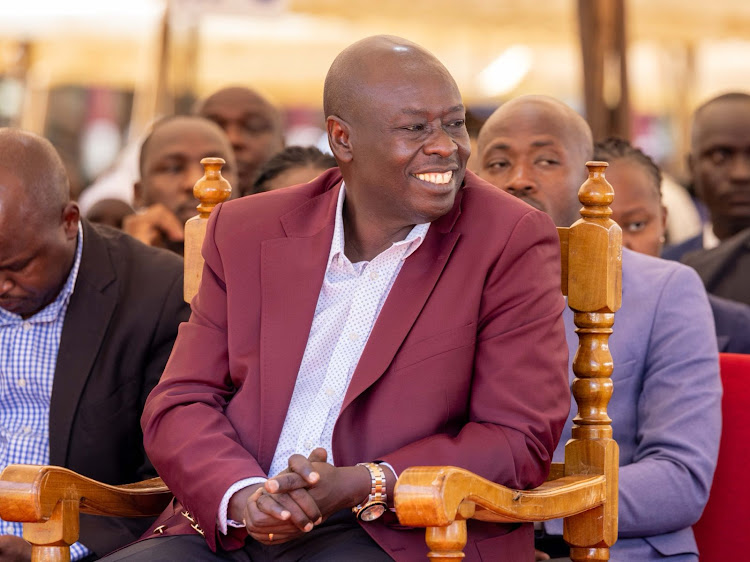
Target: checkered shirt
x,y
28,355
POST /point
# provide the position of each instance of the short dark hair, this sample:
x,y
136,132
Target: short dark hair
x,y
292,157
615,148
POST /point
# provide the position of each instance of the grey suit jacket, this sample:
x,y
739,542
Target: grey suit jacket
x,y
665,408
725,270
118,332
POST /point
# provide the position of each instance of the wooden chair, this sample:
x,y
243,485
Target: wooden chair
x,y
48,499
723,531
583,489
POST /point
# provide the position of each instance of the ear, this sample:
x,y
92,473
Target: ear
x,y
664,213
339,138
138,199
71,215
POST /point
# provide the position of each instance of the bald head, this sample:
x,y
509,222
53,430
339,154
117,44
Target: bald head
x,y
563,122
38,223
348,84
43,182
536,148
395,124
732,103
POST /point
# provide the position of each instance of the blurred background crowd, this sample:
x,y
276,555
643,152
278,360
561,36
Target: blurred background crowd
x,y
93,76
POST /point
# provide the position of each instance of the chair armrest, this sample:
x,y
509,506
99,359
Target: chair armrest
x,y
29,493
436,496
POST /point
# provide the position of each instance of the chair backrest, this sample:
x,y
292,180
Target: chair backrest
x,y
723,531
210,190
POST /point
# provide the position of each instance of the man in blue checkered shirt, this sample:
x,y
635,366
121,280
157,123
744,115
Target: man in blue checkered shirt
x,y
88,317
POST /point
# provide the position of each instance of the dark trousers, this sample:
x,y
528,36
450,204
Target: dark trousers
x,y
339,539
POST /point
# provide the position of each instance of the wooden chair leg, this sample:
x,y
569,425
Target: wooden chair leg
x,y
578,554
447,544
51,540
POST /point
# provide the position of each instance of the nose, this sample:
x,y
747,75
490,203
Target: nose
x,y
740,170
441,143
234,133
520,181
192,174
5,285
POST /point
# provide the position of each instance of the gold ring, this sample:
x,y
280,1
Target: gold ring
x,y
270,537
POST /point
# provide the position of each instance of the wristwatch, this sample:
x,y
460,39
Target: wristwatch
x,y
376,503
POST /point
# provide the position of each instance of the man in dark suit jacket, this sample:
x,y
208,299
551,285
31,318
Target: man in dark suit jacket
x,y
88,317
725,270
448,348
719,162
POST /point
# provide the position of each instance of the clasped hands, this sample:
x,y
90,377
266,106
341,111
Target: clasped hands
x,y
293,502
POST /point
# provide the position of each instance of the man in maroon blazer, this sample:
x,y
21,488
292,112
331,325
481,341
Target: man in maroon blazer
x,y
388,319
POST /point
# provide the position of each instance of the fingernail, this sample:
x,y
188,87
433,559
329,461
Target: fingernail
x,y
319,521
308,527
285,514
272,485
314,476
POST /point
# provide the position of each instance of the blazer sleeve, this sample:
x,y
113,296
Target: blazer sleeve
x,y
679,415
519,395
187,436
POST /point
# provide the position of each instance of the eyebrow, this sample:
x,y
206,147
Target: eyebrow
x,y
459,107
505,146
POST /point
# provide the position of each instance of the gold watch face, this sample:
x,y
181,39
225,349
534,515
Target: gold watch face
x,y
372,511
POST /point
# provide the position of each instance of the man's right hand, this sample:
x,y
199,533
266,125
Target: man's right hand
x,y
154,226
277,517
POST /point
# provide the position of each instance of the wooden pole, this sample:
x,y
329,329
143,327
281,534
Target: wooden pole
x,y
605,80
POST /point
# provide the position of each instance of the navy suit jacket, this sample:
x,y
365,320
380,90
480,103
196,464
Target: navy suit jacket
x,y
675,252
732,320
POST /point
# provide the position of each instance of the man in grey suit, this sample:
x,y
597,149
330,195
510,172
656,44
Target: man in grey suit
x,y
666,403
88,316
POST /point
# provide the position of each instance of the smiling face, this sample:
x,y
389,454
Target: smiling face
x,y
637,206
170,163
537,152
720,163
405,144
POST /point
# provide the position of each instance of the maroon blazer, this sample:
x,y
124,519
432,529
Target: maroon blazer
x,y
466,364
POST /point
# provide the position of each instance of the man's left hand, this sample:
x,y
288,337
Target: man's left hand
x,y
14,549
337,487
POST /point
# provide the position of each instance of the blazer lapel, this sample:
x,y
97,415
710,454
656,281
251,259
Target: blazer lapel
x,y
86,320
409,293
291,276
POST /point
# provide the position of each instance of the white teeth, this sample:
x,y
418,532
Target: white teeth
x,y
435,177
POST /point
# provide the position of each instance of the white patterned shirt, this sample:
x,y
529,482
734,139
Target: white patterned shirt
x,y
28,355
349,303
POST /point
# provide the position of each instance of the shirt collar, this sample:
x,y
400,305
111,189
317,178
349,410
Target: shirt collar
x,y
414,239
52,311
710,239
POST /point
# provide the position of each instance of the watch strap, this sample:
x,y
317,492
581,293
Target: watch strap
x,y
378,492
